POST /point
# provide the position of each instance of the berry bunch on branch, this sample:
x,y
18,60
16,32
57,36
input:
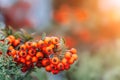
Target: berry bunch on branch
x,y
49,52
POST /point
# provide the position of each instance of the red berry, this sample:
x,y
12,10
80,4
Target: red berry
x,y
60,66
24,69
55,71
31,52
48,68
22,60
22,53
53,67
48,50
45,62
71,60
28,63
39,64
16,42
67,66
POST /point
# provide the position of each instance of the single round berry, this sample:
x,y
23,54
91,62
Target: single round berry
x,y
55,60
34,59
75,56
48,68
45,62
68,55
73,51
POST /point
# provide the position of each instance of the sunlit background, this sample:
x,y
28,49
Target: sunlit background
x,y
92,26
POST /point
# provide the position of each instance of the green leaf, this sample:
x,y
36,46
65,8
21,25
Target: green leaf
x,y
43,36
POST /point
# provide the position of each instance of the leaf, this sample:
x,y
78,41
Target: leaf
x,y
62,43
43,36
25,36
10,30
17,34
2,36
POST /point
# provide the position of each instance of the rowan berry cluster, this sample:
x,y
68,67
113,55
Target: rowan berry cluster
x,y
46,53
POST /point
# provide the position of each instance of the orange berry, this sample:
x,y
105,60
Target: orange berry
x,y
48,68
45,62
64,61
48,50
23,47
55,60
9,40
14,56
22,53
10,48
68,55
32,52
52,46
11,37
55,40
16,42
47,40
13,52
39,55
75,56
60,66
73,51
28,45
22,60
28,58
28,63
34,45
34,59
71,60
40,43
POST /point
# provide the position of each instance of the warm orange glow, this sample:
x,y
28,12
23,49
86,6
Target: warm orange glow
x,y
80,15
111,9
109,4
62,15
